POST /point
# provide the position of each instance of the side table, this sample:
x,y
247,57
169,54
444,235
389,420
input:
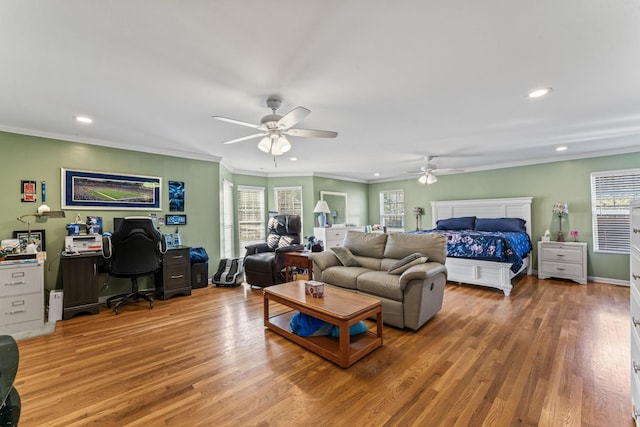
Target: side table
x,y
567,260
297,260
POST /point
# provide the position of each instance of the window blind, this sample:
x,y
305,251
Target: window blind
x,y
611,196
227,219
392,208
251,226
288,200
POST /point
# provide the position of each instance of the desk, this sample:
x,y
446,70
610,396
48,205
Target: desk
x,y
297,260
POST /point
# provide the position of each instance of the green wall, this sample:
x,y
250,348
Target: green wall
x,y
547,183
40,159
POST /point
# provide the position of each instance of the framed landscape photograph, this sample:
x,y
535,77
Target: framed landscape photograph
x,y
100,190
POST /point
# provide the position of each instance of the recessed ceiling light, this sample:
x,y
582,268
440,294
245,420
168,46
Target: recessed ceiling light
x,y
376,174
293,159
561,148
83,119
539,92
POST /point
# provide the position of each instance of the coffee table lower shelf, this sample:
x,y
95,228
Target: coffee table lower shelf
x,y
326,346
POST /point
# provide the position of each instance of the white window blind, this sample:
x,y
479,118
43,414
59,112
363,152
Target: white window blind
x,y
251,226
288,200
227,219
611,196
392,208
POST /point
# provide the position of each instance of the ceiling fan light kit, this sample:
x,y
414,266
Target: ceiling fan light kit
x,y
274,127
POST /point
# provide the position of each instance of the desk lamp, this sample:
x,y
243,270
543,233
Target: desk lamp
x,y
36,215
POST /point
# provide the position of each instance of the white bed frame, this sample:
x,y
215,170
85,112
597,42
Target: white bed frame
x,y
477,272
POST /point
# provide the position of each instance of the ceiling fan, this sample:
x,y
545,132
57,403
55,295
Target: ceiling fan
x,y
274,128
428,171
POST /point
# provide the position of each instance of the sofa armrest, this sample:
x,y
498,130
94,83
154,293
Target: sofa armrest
x,y
290,248
257,248
324,260
421,272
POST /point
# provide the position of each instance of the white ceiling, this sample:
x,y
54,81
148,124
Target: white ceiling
x,y
397,80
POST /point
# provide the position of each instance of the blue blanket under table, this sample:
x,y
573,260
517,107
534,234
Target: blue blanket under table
x,y
501,246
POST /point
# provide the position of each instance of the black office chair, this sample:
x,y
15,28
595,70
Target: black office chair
x,y
136,249
264,262
9,397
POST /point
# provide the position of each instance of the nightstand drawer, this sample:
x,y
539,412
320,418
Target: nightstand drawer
x,y
559,269
561,254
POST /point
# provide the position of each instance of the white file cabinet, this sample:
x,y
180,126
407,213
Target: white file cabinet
x,y
566,260
21,297
634,282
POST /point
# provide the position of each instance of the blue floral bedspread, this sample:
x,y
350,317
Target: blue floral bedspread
x,y
501,246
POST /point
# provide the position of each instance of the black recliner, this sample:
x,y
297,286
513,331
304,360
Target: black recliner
x,y
264,262
136,249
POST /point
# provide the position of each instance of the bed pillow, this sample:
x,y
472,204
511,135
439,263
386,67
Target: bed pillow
x,y
407,262
501,224
461,223
345,256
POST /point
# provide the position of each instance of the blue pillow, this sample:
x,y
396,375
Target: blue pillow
x,y
308,326
501,224
461,223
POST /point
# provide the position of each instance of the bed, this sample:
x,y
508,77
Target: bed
x,y
478,271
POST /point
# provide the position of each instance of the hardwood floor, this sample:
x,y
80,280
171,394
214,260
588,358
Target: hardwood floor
x,y
553,354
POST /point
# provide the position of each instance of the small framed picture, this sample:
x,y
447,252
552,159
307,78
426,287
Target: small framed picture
x,y
175,219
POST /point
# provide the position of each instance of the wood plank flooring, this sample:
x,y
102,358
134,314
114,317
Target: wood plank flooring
x,y
553,354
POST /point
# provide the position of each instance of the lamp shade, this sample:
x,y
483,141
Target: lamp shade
x,y
432,179
422,179
265,144
561,208
321,207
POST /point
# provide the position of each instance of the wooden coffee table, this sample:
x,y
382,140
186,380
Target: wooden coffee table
x,y
338,307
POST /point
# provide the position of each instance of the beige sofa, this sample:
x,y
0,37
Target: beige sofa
x,y
409,299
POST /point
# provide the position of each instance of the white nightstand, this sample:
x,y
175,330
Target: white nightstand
x,y
566,260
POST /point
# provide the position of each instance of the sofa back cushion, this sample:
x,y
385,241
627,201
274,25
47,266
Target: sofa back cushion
x,y
366,244
433,245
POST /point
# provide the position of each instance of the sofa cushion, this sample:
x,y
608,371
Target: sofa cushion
x,y
370,263
343,276
407,262
380,283
432,245
366,244
345,256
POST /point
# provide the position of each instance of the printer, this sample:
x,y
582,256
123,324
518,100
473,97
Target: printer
x,y
86,243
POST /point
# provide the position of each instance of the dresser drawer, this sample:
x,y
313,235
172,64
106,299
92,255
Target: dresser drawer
x,y
561,254
635,228
21,308
20,279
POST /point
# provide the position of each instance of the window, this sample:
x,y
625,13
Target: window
x,y
611,195
251,227
227,219
392,208
288,200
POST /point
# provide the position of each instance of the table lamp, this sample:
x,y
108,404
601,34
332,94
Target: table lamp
x,y
323,209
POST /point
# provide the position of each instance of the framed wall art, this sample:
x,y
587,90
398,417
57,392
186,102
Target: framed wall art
x,y
103,190
176,196
175,219
37,237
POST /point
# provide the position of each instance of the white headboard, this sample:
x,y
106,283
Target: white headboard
x,y
517,207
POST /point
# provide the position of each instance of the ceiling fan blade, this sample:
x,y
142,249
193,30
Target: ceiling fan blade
x,y
311,133
237,122
293,117
244,138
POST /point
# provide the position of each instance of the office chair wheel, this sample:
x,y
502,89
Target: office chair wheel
x,y
150,305
116,310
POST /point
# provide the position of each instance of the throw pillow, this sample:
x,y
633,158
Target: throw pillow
x,y
407,262
285,241
345,256
461,223
272,241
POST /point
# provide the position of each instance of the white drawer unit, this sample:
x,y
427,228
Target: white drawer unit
x,y
566,260
634,283
21,297
333,237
